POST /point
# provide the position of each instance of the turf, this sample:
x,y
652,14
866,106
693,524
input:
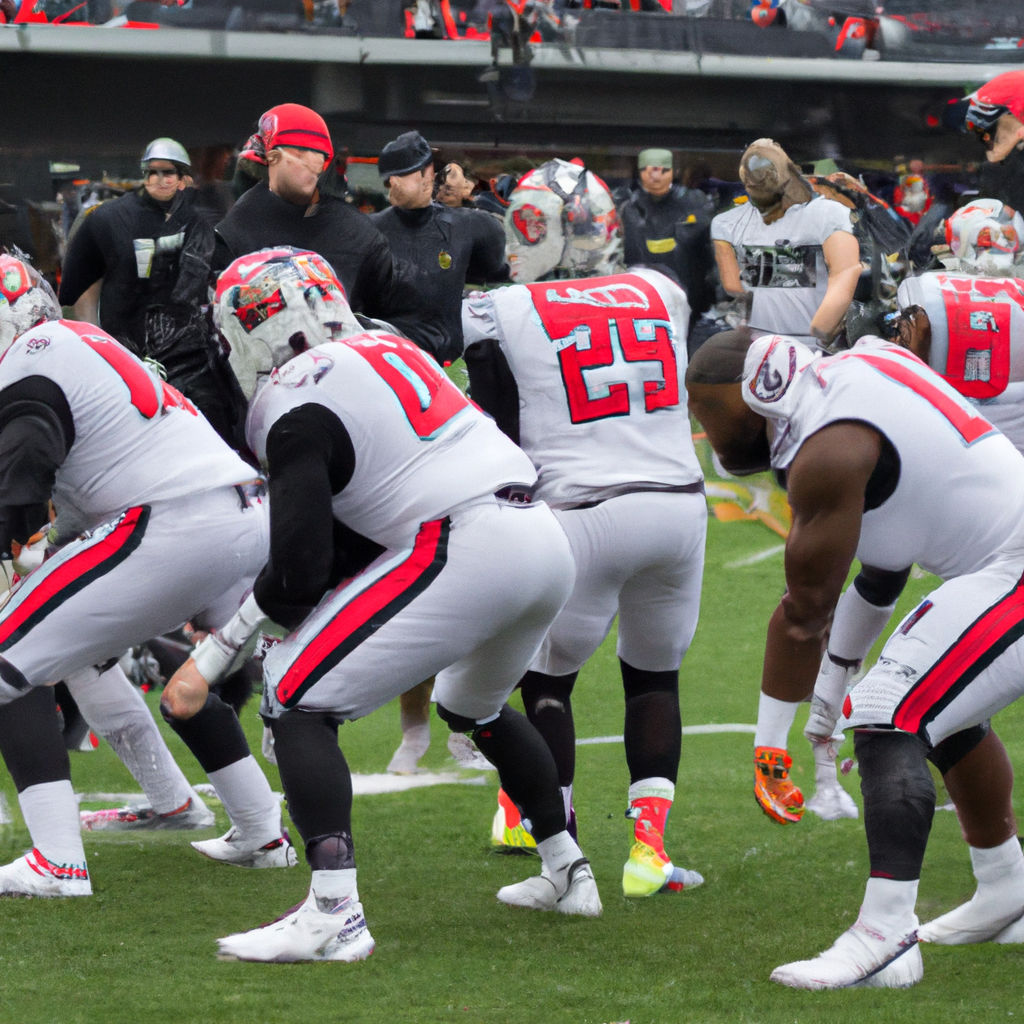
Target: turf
x,y
142,948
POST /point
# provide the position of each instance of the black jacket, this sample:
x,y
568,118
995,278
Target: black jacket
x,y
149,254
449,247
1005,180
673,231
377,285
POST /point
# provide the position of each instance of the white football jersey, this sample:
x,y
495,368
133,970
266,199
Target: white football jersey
x,y
600,366
421,448
137,440
960,494
977,340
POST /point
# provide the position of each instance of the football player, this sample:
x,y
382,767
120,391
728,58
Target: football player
x,y
597,367
135,474
398,509
884,461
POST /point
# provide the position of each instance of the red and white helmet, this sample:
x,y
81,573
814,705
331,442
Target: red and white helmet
x,y
273,304
986,237
562,217
26,299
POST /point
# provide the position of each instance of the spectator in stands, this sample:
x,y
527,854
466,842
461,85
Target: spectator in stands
x,y
147,256
791,249
454,187
449,247
665,224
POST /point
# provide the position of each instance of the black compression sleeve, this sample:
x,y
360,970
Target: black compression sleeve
x,y
310,458
492,385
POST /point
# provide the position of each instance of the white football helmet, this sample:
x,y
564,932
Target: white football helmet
x,y
273,304
562,217
26,299
985,236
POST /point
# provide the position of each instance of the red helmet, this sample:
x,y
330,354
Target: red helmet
x,y
291,124
1003,95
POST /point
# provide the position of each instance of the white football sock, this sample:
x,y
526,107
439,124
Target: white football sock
x,y
856,625
774,720
997,902
889,906
246,795
116,711
558,852
663,788
50,811
334,885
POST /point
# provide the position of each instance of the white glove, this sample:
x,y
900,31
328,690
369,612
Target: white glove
x,y
827,702
821,723
267,746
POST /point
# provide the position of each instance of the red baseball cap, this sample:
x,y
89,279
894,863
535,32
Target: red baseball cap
x,y
291,124
1003,95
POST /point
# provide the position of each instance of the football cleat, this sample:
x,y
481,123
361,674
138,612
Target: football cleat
x,y
34,875
193,814
649,871
233,848
508,832
979,920
415,743
318,929
1011,933
572,890
774,792
830,803
861,957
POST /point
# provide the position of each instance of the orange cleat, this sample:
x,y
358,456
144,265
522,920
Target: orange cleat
x,y
774,792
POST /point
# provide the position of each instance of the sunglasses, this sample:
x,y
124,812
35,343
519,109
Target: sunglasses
x,y
160,172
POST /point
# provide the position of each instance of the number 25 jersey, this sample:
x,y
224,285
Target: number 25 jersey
x,y
135,439
421,448
600,366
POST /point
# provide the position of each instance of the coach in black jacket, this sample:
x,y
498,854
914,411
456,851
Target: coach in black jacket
x,y
291,210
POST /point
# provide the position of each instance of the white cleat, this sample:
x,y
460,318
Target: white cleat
x,y
319,929
193,814
415,743
861,957
832,802
34,875
571,890
1011,933
234,848
975,921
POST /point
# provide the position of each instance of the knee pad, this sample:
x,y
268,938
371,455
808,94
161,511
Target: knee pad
x,y
542,692
457,723
892,765
881,587
953,749
637,681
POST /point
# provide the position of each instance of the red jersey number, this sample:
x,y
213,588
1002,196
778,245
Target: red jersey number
x,y
607,325
428,398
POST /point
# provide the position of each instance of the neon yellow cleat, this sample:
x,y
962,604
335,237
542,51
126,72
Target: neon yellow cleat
x,y
508,830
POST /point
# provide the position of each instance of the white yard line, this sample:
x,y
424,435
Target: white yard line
x,y
688,730
759,557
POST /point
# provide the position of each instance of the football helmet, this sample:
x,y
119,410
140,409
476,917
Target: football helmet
x,y
273,304
26,299
562,217
985,237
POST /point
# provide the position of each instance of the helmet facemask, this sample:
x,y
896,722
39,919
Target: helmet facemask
x,y
273,304
26,298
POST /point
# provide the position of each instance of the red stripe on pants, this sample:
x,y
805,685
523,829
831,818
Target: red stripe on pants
x,y
975,642
70,571
361,609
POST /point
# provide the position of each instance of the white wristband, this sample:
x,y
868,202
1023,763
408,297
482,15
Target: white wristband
x,y
212,658
242,624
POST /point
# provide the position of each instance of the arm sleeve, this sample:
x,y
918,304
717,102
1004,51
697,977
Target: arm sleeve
x,y
487,263
83,263
32,448
310,459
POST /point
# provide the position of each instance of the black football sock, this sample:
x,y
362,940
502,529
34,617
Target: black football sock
x,y
30,740
653,729
548,704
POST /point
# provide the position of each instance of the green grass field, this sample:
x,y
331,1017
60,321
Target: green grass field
x,y
142,948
